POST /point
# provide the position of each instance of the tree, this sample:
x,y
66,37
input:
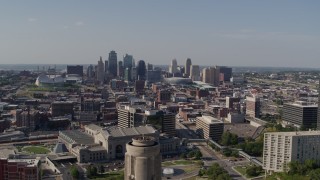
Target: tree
x,y
74,172
191,154
198,154
91,171
228,138
314,174
253,170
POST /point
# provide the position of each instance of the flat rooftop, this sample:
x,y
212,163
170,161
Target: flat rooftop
x,y
210,119
120,132
296,133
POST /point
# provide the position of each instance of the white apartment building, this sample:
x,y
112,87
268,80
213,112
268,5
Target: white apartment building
x,y
280,148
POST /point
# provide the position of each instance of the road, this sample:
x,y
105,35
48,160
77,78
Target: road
x,y
210,157
208,154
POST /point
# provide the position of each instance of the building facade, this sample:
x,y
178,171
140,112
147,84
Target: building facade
x,y
281,148
209,127
300,114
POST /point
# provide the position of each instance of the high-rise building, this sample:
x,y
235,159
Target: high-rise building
x,y
174,66
130,117
127,74
206,75
143,159
149,67
163,95
300,114
214,76
61,108
209,127
75,70
253,106
188,66
141,70
106,66
153,76
128,61
120,70
90,72
113,63
195,72
281,148
225,72
100,71
134,73
169,124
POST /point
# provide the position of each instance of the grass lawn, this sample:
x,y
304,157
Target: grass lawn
x,y
36,150
110,176
242,170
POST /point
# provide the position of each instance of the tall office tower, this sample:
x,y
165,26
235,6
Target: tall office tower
x,y
206,75
120,70
169,124
128,61
281,148
100,71
253,106
141,70
209,127
149,67
174,66
143,159
188,66
113,63
130,117
195,72
133,73
90,72
225,73
300,114
153,76
127,74
214,76
106,66
75,70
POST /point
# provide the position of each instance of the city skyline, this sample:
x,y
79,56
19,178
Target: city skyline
x,y
246,33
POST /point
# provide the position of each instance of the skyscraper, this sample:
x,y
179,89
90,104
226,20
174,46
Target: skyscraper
x,y
188,66
128,61
100,71
141,70
225,72
90,72
253,106
195,72
120,69
214,76
113,63
173,67
142,159
206,75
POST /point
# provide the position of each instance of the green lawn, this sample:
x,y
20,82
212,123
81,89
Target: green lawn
x,y
242,170
277,176
36,150
110,176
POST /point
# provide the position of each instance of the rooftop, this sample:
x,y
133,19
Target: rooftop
x,y
118,132
210,119
76,136
296,133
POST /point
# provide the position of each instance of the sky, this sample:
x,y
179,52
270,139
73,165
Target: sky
x,y
269,33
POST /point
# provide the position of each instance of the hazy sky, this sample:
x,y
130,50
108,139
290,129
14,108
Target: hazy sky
x,y
234,33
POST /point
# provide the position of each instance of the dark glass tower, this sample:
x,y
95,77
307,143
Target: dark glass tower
x,y
113,63
141,70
